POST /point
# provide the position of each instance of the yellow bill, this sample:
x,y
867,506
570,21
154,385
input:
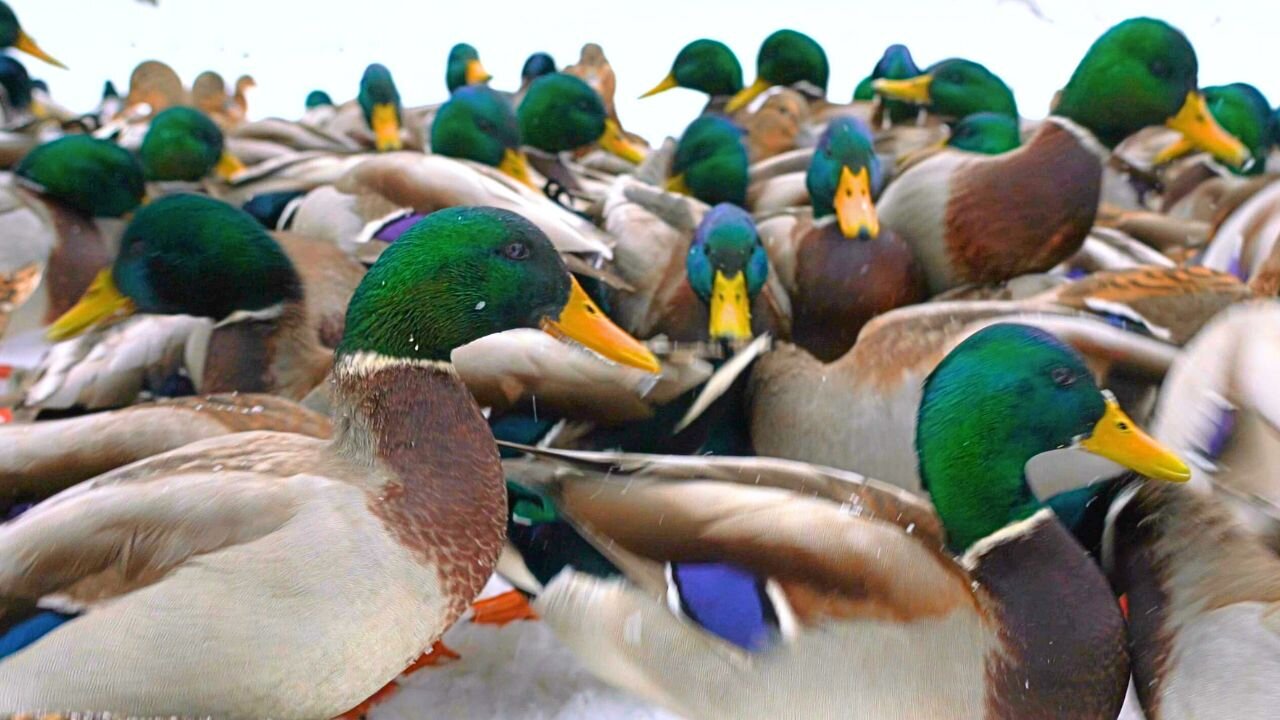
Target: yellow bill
x,y
100,302
516,165
744,96
1197,125
582,321
228,166
667,83
1116,438
915,90
386,127
615,142
730,308
29,46
476,73
855,211
1174,150
676,184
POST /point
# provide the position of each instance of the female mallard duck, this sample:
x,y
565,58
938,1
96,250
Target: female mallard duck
x,y
859,412
412,519
184,146
952,89
463,68
710,162
840,267
742,601
267,328
895,64
13,36
707,66
53,205
1242,110
155,85
1040,201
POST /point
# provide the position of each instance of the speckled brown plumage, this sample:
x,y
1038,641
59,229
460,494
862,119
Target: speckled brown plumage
x,y
449,501
1024,211
842,283
1064,637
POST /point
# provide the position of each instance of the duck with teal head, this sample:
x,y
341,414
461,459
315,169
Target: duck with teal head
x,y
464,68
787,58
948,609
379,101
986,133
895,64
477,124
62,201
707,66
1041,200
13,36
408,493
1242,110
184,145
318,98
710,162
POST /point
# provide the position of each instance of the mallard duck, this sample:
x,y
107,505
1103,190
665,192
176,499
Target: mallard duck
x,y
183,145
710,162
13,36
1041,200
952,89
986,133
744,600
1242,110
535,66
859,412
787,58
155,85
377,496
840,267
266,329
781,124
594,69
54,208
463,68
19,107
707,66
319,109
895,64
380,103
478,124
209,94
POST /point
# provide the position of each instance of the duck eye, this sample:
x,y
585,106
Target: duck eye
x,y
516,251
1160,69
1063,376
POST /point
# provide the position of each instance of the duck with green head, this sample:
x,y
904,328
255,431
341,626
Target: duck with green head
x,y
952,89
561,113
764,588
895,64
380,102
464,68
786,58
972,219
477,124
183,144
55,243
318,98
986,133
1242,110
708,66
13,36
408,493
711,162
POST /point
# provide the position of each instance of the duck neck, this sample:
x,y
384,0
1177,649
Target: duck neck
x,y
973,509
436,472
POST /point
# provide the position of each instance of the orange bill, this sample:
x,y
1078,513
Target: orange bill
x,y
582,321
1117,438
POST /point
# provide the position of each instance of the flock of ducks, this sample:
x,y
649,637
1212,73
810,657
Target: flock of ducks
x,y
254,371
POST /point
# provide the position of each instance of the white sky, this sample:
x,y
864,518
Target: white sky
x,y
292,47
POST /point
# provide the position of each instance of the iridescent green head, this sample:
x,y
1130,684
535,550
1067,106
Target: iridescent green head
x,y
786,58
1242,110
1142,72
708,66
953,89
318,98
727,267
711,162
94,177
464,68
986,133
16,83
1002,396
844,178
182,143
477,124
380,101
463,273
895,64
13,36
561,112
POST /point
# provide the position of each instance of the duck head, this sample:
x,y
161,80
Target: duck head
x,y
562,113
987,133
12,35
711,162
844,178
895,64
1003,396
182,143
952,88
380,102
94,177
1243,111
477,124
786,58
708,66
464,68
727,267
318,98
